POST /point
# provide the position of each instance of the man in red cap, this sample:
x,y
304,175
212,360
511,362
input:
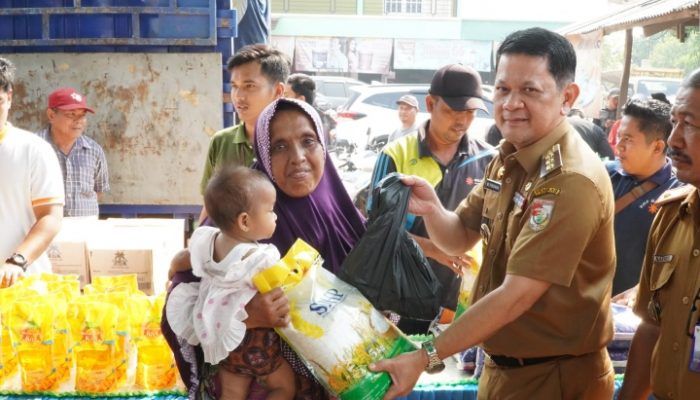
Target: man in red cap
x,y
82,160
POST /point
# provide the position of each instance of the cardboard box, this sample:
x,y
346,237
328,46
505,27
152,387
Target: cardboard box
x,y
70,258
162,237
111,261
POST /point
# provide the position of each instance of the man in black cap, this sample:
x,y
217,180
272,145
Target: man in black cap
x,y
441,152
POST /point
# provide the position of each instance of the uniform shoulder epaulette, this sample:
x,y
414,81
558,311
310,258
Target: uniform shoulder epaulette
x,y
551,161
675,194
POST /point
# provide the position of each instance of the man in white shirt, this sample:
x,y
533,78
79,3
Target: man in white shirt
x,y
31,193
408,110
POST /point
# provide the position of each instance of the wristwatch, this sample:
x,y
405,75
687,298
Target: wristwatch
x,y
18,260
435,364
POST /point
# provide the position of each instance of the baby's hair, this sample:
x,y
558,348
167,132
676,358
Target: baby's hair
x,y
230,192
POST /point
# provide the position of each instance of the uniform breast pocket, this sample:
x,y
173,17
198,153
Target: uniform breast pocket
x,y
513,228
661,274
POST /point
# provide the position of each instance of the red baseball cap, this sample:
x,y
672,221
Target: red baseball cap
x,y
68,99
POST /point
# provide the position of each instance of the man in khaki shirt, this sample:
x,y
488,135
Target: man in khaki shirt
x,y
541,303
665,354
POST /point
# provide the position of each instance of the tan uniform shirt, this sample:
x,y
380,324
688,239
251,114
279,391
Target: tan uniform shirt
x,y
669,288
546,212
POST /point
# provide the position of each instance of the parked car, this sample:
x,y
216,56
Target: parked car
x,y
370,115
333,91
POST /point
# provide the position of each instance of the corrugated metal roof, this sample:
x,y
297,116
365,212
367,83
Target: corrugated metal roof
x,y
646,12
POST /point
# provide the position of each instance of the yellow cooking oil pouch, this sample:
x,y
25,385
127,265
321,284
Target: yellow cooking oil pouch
x,y
117,283
62,350
468,279
8,359
334,329
122,346
155,367
139,308
32,334
93,326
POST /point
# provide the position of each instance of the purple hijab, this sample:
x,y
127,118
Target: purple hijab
x,y
326,219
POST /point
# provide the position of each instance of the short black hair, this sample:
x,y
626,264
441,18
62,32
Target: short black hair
x,y
653,117
7,75
230,192
660,96
560,54
274,64
302,84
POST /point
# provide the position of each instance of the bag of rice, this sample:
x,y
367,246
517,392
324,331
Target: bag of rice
x,y
468,279
334,328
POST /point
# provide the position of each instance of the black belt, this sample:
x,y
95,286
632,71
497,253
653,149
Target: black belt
x,y
511,362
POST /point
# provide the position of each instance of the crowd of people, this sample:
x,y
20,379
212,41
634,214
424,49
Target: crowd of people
x,y
565,229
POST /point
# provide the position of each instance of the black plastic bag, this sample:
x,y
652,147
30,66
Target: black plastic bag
x,y
386,265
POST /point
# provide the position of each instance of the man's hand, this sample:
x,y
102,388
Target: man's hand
x,y
457,264
404,371
269,310
626,298
423,200
9,274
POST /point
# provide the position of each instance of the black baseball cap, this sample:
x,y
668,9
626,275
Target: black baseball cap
x,y
459,86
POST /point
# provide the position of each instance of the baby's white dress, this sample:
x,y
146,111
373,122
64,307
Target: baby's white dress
x,y
211,312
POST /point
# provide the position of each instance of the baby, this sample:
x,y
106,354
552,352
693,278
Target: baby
x,y
211,312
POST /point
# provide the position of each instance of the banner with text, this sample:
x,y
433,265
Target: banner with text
x,y
434,54
342,54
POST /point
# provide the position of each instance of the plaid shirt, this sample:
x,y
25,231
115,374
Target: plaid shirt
x,y
85,174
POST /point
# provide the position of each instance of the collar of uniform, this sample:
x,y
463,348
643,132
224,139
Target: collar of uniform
x,y
424,149
531,156
239,135
689,206
659,177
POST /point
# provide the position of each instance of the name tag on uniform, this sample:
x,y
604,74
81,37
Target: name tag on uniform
x,y
663,258
490,184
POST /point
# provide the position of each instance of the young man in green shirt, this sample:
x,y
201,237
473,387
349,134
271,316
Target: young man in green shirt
x,y
258,75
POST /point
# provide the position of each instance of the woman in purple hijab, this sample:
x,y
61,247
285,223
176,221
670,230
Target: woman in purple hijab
x,y
312,204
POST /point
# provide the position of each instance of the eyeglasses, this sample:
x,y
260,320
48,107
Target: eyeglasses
x,y
72,115
693,308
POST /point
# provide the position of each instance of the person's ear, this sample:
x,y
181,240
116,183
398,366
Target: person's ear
x,y
243,221
430,102
659,146
279,90
570,94
50,114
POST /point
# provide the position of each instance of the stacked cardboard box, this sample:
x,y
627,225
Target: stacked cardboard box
x,y
118,246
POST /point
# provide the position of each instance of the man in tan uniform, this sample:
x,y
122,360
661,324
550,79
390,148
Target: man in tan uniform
x,y
541,304
665,354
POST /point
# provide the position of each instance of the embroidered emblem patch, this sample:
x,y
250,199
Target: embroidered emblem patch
x,y
546,190
540,214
